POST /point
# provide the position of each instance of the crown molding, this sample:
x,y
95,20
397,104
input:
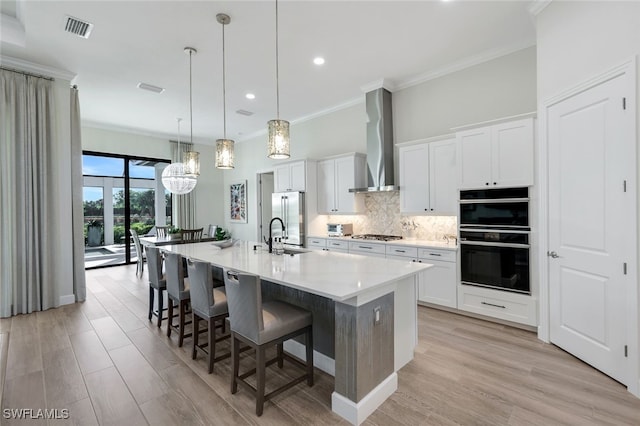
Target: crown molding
x,y
32,67
384,83
335,108
538,6
469,62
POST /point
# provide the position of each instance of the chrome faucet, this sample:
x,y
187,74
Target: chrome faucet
x,y
270,241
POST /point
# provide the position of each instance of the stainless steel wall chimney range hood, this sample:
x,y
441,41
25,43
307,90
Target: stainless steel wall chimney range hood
x,y
379,142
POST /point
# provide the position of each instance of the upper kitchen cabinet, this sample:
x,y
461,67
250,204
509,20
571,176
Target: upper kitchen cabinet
x,y
335,177
428,177
496,156
290,177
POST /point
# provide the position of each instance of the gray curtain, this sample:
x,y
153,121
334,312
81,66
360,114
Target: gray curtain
x,y
26,135
184,205
77,209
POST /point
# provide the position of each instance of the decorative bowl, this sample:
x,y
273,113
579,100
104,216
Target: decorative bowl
x,y
223,243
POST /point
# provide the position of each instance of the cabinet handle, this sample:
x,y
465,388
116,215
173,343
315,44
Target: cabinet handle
x,y
400,251
426,210
431,209
365,247
487,183
435,254
491,304
335,244
495,183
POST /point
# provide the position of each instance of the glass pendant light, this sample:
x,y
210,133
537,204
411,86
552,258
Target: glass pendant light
x,y
224,146
174,177
278,143
191,159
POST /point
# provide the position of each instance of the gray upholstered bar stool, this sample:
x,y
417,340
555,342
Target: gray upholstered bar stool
x,y
261,325
207,303
157,282
178,292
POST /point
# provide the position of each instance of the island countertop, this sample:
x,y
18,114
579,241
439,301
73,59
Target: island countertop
x,y
337,276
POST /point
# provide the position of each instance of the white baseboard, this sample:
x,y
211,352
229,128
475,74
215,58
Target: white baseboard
x,y
67,299
320,361
356,413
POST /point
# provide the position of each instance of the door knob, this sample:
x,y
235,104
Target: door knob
x,y
552,254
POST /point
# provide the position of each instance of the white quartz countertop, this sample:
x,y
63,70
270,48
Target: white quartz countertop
x,y
443,245
337,276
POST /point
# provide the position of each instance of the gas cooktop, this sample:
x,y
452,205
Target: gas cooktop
x,y
377,237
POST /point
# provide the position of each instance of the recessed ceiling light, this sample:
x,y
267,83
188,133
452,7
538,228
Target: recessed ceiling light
x,y
318,60
250,96
150,87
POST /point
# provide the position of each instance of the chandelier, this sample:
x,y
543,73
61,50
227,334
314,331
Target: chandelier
x,y
191,159
278,142
224,146
174,177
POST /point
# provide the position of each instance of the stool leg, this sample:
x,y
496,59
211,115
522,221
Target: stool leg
x,y
160,307
151,297
211,334
235,356
181,323
170,317
309,342
195,324
280,354
260,373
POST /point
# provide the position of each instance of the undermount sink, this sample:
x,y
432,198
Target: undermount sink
x,y
292,252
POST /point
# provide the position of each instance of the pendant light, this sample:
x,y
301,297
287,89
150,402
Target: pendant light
x,y
224,146
174,177
278,143
191,159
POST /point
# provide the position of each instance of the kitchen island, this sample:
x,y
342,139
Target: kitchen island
x,y
364,310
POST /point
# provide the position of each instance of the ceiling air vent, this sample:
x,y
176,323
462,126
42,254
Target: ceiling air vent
x,y
244,112
150,87
75,26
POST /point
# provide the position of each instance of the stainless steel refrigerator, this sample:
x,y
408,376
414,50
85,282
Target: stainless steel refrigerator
x,y
288,206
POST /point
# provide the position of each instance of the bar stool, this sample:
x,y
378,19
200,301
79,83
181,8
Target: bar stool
x,y
178,292
261,325
157,281
209,304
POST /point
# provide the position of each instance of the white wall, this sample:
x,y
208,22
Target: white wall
x,y
208,191
578,41
501,87
498,88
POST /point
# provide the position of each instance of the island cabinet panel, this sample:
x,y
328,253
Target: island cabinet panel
x,y
364,346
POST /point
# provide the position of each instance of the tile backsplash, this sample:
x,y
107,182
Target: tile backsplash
x,y
383,216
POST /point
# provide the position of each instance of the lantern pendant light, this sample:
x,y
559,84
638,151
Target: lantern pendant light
x,y
278,143
224,146
174,177
191,159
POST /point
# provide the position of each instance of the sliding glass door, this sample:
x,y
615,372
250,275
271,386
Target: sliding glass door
x,y
121,193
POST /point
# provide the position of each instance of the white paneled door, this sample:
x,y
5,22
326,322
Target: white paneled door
x,y
591,160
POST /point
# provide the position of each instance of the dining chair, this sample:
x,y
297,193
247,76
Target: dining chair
x,y
263,325
162,231
192,234
140,253
157,282
178,292
209,304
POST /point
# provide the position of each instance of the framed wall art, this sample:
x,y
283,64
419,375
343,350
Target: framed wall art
x,y
238,201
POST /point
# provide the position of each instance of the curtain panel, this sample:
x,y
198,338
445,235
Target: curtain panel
x,y
77,208
184,205
26,135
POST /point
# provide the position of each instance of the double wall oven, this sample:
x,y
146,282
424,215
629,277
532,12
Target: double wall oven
x,y
494,239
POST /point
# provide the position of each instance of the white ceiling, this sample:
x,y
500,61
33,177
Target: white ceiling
x,y
362,41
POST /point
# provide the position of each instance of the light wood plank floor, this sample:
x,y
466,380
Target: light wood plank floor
x,y
104,362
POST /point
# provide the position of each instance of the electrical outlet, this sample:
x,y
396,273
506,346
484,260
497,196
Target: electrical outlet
x,y
376,315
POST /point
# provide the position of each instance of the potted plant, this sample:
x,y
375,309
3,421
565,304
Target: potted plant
x,y
175,233
94,233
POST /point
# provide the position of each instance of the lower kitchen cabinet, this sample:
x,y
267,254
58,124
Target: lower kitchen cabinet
x,y
519,308
438,285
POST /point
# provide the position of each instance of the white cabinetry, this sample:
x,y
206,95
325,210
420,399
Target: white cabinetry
x,y
496,156
519,308
328,244
335,177
438,284
366,248
428,177
290,177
